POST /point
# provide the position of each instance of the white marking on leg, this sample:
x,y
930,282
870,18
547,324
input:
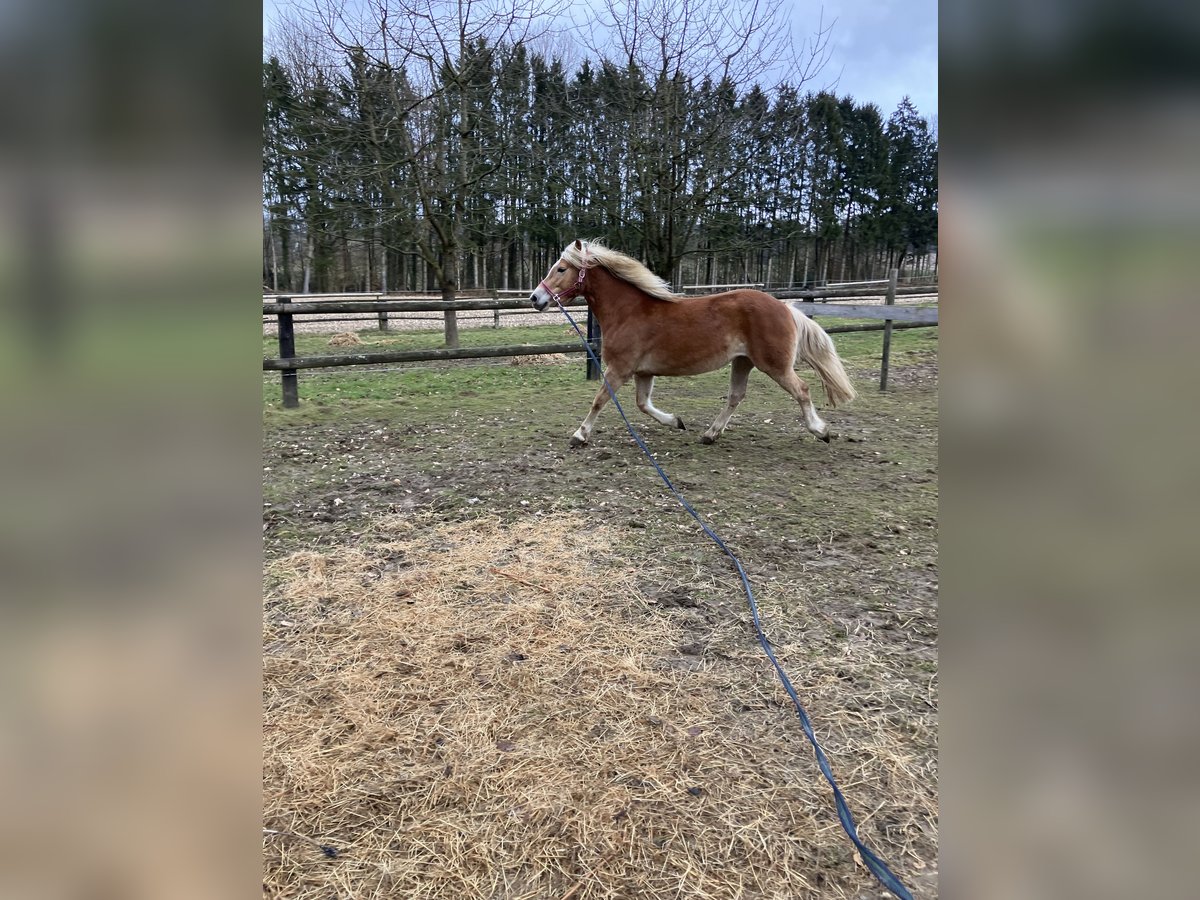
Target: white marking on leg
x,y
585,429
602,397
815,423
645,388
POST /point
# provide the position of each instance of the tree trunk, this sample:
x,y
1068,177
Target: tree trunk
x,y
369,259
285,252
450,294
309,250
348,280
266,253
383,268
274,258
449,285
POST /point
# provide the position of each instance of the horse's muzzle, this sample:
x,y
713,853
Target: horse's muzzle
x,y
539,303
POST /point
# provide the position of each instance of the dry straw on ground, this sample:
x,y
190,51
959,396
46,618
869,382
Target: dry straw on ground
x,y
489,711
545,359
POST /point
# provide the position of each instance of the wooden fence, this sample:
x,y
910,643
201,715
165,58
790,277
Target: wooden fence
x,y
288,364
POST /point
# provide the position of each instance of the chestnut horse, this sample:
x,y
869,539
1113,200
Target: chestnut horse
x,y
649,331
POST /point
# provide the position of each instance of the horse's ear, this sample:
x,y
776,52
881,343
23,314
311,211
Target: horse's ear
x,y
578,244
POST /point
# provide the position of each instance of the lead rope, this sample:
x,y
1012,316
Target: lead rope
x,y
877,866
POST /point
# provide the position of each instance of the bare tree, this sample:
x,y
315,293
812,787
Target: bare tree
x,y
447,137
428,56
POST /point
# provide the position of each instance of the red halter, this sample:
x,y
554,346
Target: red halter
x,y
574,289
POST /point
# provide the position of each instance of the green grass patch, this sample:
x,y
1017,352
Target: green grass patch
x,y
428,391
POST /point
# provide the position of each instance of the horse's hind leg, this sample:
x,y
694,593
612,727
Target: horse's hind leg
x,y
737,391
796,386
615,380
645,387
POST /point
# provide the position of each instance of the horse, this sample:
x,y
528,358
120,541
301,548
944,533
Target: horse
x,y
650,331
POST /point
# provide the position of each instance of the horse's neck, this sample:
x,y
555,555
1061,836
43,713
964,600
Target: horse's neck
x,y
613,299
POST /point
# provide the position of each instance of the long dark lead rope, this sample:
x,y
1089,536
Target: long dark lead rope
x,y
877,866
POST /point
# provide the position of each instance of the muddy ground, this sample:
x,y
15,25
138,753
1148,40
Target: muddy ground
x,y
839,540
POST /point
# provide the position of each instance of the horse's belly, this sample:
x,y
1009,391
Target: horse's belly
x,y
693,361
677,369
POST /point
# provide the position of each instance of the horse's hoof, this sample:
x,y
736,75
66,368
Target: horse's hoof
x,y
824,437
707,439
576,443
679,424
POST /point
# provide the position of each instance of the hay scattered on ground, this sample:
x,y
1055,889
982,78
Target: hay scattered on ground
x,y
494,711
345,339
548,359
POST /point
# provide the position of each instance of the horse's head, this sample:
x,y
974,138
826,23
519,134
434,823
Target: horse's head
x,y
564,280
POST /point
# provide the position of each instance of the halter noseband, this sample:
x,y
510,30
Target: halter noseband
x,y
574,289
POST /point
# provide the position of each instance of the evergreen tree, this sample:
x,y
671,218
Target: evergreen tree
x,y
909,221
474,168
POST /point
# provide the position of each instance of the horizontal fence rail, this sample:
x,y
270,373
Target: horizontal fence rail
x,y
312,306
395,356
926,314
285,310
392,356
399,295
372,306
332,360
831,293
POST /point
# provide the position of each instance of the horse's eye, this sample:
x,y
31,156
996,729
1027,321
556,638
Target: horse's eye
x,y
562,268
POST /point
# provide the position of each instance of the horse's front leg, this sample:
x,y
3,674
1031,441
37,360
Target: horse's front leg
x,y
615,380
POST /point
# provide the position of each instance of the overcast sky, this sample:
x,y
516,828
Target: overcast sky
x,y
880,49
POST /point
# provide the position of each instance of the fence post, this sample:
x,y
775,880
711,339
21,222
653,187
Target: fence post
x,y
889,300
495,312
593,339
383,320
287,350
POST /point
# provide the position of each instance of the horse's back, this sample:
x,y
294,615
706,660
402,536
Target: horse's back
x,y
756,316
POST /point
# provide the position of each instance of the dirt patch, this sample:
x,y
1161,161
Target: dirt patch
x,y
918,373
491,709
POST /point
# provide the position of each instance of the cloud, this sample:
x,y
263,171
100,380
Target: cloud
x,y
881,51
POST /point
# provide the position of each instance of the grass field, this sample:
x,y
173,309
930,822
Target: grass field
x,y
321,387
840,542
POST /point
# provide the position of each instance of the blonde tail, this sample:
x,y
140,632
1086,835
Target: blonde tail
x,y
816,348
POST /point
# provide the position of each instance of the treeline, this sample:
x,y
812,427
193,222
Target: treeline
x,y
477,178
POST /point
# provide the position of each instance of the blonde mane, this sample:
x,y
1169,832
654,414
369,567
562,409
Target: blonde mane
x,y
624,267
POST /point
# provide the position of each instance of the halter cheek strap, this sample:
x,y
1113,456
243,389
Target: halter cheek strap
x,y
574,289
